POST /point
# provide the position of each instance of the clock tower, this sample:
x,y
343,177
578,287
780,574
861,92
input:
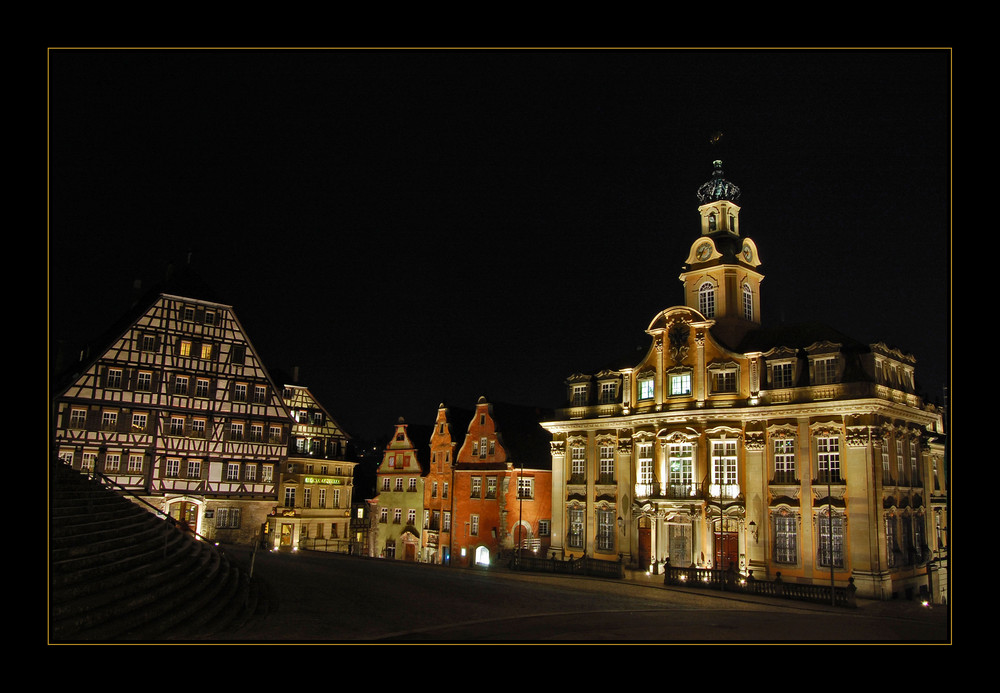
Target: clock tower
x,y
720,275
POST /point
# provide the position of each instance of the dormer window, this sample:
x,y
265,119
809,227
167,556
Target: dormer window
x,y
647,387
725,377
825,370
579,395
609,392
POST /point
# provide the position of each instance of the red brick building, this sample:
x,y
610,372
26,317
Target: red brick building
x,y
448,435
502,488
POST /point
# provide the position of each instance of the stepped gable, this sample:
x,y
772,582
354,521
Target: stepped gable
x,y
520,432
119,573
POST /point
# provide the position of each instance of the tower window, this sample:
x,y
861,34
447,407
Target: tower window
x,y
706,300
747,302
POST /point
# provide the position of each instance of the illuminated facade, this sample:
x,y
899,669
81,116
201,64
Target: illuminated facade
x,y
400,501
449,432
795,451
502,481
178,408
316,482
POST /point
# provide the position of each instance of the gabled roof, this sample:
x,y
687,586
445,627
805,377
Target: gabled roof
x,y
520,432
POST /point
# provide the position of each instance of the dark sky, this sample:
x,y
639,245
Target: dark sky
x,y
411,227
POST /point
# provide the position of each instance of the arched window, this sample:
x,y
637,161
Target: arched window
x,y
706,299
711,221
747,302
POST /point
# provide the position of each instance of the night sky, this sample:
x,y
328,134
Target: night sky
x,y
412,227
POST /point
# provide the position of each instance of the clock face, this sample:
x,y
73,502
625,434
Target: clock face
x,y
748,253
704,250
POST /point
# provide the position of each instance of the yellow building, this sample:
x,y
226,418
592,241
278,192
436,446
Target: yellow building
x,y
316,481
796,451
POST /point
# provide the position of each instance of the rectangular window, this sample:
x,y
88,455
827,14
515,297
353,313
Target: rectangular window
x,y
412,485
724,469
78,418
574,538
491,487
240,392
398,486
785,539
784,460
383,515
892,547
173,468
781,375
176,425
609,393
605,530
198,428
148,342
236,430
681,473
109,420
267,473
724,381
289,496
444,492
578,464
607,464
579,395
181,385
411,517
477,487
307,497
544,528
434,490
144,381
139,421
112,462
322,498
114,379
474,525
525,487
828,459
645,463
185,347
135,463
680,384
397,516
831,540
446,521
227,518
201,387
194,469
238,354
825,371
646,388
256,432
259,394
206,351
88,461
233,471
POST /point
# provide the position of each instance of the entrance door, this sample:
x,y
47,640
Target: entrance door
x,y
286,535
185,514
727,550
645,542
409,552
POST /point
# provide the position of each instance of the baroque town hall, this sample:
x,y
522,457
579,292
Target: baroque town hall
x,y
796,451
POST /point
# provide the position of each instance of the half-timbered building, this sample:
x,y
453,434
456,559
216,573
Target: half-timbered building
x,y
316,481
177,407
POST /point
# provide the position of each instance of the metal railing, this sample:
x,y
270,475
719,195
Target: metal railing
x,y
732,581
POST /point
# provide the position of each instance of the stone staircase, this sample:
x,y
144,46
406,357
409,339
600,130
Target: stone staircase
x,y
120,573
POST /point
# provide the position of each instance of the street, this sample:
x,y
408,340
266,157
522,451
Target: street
x,y
334,598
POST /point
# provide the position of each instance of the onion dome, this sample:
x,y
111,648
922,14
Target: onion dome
x,y
718,188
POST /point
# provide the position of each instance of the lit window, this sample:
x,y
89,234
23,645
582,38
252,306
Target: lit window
x,y
578,464
206,351
606,464
646,388
724,469
706,299
680,457
785,538
482,448
474,525
109,420
185,349
680,384
831,540
525,487
747,302
784,460
605,530
645,457
579,395
828,458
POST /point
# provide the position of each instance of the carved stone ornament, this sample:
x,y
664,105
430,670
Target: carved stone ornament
x,y
754,441
625,446
858,436
558,447
679,334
